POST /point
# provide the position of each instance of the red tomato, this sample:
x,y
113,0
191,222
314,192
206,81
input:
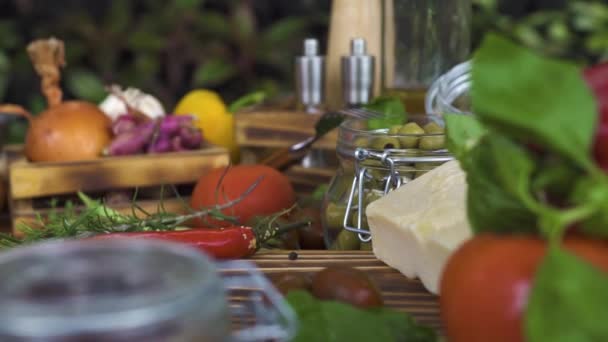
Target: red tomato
x,y
486,282
272,194
597,78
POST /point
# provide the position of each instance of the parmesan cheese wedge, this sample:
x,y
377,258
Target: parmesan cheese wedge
x,y
416,227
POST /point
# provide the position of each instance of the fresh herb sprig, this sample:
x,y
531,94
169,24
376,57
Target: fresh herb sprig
x,y
98,218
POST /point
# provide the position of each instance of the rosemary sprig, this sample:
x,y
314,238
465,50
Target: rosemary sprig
x,y
97,218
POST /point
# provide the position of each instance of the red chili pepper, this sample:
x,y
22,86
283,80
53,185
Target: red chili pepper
x,y
597,78
220,243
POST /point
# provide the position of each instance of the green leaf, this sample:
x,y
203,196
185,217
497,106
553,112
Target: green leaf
x,y
147,65
246,101
284,30
534,99
331,321
555,177
593,192
16,132
463,133
145,40
214,71
85,85
392,108
214,23
98,208
5,65
568,302
498,178
187,4
9,34
117,19
319,192
36,104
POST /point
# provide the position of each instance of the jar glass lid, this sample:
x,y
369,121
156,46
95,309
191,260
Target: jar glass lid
x,y
59,288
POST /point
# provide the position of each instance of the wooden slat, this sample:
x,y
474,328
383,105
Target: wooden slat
x,y
400,293
29,180
279,129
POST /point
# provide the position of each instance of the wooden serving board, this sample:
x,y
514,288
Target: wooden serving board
x,y
399,292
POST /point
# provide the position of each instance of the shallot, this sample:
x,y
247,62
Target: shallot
x,y
132,142
168,134
172,124
123,124
161,145
191,137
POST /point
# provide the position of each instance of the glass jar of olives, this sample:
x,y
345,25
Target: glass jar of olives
x,y
449,93
372,163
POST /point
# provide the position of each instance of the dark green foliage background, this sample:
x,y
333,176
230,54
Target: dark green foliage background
x,y
233,46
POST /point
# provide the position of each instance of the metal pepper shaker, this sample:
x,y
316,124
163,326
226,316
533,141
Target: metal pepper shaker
x,y
310,83
358,71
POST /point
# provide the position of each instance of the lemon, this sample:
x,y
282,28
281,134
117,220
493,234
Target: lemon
x,y
212,118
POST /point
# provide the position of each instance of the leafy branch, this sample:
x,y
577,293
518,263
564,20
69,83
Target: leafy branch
x,y
97,218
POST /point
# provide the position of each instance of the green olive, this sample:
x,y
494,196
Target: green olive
x,y
394,129
340,186
382,143
433,128
433,142
361,142
411,128
334,216
346,241
366,246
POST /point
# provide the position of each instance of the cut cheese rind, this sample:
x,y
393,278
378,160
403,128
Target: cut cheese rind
x,y
418,226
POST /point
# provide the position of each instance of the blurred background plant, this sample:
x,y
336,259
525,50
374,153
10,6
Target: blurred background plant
x,y
163,47
231,46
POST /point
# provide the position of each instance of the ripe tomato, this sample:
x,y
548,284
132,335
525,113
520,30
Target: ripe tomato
x,y
272,194
486,282
596,77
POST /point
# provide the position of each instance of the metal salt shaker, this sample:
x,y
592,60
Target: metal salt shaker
x,y
310,83
358,70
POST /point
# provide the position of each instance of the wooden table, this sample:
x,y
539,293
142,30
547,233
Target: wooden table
x,y
399,292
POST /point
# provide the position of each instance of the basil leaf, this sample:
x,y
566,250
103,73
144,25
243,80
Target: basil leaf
x,y
463,133
512,166
594,193
332,321
392,108
404,328
568,301
246,101
555,178
536,99
312,326
498,179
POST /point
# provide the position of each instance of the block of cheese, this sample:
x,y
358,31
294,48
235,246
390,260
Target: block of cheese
x,y
416,227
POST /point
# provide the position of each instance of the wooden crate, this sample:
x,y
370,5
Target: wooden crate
x,y
279,129
30,182
259,133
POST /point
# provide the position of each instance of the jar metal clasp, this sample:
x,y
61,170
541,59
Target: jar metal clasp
x,y
393,181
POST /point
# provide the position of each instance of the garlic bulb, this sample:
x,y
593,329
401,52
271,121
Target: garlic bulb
x,y
114,105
